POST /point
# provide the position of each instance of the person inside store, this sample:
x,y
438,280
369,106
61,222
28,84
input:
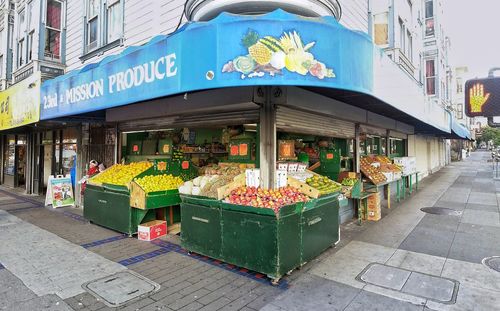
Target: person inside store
x,y
94,169
212,159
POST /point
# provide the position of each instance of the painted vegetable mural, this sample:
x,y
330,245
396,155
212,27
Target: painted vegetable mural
x,y
272,55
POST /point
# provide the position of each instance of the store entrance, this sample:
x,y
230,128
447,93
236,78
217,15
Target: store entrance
x,y
21,166
14,165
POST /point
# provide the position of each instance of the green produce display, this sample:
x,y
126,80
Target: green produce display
x,y
349,182
324,184
152,183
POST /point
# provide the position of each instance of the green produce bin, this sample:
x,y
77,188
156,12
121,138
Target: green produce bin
x,y
109,206
319,226
201,229
259,240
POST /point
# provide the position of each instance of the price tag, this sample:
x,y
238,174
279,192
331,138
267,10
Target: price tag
x,y
185,165
329,156
135,148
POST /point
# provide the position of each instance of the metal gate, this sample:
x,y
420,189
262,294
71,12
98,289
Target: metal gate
x,y
296,121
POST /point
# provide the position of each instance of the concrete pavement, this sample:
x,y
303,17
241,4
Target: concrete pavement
x,y
439,250
409,260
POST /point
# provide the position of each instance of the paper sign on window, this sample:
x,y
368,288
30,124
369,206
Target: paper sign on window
x,y
243,149
235,150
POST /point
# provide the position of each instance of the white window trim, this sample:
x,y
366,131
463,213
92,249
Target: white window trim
x,y
62,28
436,91
102,27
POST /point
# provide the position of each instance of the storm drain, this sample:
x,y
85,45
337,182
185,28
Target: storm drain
x,y
121,288
418,284
492,263
441,211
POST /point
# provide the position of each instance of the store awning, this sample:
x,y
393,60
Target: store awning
x,y
458,130
20,104
277,48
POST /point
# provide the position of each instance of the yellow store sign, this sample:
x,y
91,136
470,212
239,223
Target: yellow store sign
x,y
20,104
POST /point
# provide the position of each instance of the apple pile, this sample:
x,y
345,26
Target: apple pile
x,y
266,198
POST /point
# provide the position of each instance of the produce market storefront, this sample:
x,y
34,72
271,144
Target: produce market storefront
x,y
271,102
19,109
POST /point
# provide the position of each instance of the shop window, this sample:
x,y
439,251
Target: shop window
x,y
381,28
430,77
70,135
53,29
104,23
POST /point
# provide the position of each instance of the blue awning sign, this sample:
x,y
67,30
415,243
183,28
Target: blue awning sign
x,y
278,48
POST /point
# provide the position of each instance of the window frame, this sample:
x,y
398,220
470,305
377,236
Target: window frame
x,y
46,53
380,29
409,43
21,36
430,77
428,19
102,19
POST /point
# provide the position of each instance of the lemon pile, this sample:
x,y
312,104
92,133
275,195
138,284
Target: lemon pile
x,y
120,174
159,182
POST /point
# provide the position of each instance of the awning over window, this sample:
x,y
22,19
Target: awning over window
x,y
278,48
459,131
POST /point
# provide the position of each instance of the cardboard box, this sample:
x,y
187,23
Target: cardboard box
x,y
374,210
252,177
292,167
374,215
408,164
152,230
281,179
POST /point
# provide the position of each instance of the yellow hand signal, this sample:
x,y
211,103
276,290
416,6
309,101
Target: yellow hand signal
x,y
477,97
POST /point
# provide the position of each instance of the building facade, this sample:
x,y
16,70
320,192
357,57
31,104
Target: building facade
x,y
51,37
410,33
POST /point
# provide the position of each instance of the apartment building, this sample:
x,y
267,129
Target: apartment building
x,y
410,33
51,37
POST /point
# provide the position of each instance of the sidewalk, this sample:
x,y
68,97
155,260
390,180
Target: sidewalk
x,y
411,260
46,255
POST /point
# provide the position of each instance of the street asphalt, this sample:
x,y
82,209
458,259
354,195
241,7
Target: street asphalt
x,y
53,259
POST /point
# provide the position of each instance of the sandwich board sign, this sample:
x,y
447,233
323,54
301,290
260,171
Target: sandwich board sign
x,y
59,191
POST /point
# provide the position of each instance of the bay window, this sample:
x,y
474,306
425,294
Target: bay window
x,y
21,59
53,29
381,28
93,11
429,18
104,23
114,20
430,77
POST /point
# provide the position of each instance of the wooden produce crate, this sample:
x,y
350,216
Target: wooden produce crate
x,y
225,191
304,188
144,200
